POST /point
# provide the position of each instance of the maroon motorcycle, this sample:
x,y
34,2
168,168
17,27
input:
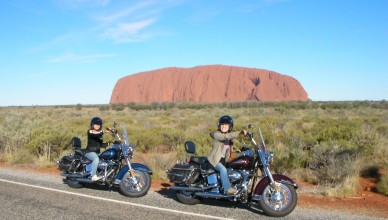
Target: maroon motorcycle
x,y
195,179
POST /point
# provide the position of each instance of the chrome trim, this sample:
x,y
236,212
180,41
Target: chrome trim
x,y
256,197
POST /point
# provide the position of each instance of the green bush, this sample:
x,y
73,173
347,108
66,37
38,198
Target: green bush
x,y
382,185
318,140
333,164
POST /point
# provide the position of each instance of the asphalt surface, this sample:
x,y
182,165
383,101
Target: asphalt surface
x,y
25,195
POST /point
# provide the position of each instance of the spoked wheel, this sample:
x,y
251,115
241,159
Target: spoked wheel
x,y
280,203
187,197
136,186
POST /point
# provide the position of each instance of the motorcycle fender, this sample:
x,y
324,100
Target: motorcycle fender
x,y
135,166
278,178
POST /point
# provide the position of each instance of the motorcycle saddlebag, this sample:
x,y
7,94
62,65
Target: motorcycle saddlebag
x,y
183,173
69,163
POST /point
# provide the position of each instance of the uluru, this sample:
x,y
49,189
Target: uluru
x,y
210,83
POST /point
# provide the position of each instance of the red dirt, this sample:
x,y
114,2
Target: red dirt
x,y
366,202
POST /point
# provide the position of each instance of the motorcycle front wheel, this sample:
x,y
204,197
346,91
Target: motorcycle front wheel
x,y
280,203
136,186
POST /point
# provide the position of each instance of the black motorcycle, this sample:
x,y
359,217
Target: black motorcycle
x,y
115,167
249,173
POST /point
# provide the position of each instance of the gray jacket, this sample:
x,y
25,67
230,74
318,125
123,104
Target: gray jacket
x,y
219,139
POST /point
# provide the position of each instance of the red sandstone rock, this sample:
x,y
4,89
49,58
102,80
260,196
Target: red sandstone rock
x,y
212,83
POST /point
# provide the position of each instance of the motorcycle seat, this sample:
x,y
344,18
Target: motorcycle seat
x,y
198,160
207,168
85,160
80,151
208,171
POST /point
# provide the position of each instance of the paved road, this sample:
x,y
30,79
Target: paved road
x,y
26,195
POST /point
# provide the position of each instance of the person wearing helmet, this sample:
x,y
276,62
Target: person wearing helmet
x,y
95,142
222,141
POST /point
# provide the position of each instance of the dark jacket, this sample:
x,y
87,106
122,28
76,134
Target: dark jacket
x,y
95,141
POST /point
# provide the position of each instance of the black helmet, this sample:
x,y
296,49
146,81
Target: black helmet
x,y
226,119
96,121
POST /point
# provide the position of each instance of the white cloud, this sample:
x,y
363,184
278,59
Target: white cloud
x,y
129,23
126,12
66,38
128,32
123,25
72,57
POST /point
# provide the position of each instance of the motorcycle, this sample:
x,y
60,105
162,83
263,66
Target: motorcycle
x,y
195,179
115,167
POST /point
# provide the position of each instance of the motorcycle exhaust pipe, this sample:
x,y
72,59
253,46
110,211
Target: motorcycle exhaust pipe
x,y
186,188
84,180
213,195
75,175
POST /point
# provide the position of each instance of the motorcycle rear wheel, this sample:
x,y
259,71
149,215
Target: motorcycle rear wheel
x,y
187,198
74,184
278,204
137,186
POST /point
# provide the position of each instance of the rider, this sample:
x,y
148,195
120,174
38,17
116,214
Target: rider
x,y
222,141
95,142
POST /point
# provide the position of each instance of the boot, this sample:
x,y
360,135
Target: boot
x,y
231,191
95,178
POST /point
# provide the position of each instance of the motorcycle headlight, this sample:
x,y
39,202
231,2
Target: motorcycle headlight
x,y
130,150
127,150
269,158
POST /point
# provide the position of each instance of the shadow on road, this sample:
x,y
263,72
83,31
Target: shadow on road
x,y
166,192
100,187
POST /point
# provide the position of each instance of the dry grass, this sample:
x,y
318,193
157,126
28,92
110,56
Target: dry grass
x,y
346,188
159,162
294,131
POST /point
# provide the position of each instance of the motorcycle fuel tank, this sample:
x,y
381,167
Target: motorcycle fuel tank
x,y
111,153
241,162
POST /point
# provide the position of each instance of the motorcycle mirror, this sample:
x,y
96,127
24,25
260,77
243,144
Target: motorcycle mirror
x,y
114,124
250,126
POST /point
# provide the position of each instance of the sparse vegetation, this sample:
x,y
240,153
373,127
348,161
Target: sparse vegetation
x,y
382,185
327,143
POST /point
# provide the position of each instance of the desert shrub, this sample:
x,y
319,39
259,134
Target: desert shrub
x,y
78,107
280,109
118,107
17,156
296,131
365,139
370,171
14,134
289,157
158,162
347,187
305,174
104,107
48,142
331,130
382,185
333,164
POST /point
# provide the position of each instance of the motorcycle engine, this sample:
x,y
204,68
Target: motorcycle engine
x,y
102,165
234,176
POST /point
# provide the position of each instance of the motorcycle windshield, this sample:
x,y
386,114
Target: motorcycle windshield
x,y
125,136
126,148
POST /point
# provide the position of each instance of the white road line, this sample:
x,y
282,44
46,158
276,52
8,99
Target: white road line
x,y
115,201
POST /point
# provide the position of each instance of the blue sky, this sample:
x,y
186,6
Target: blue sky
x,y
59,52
